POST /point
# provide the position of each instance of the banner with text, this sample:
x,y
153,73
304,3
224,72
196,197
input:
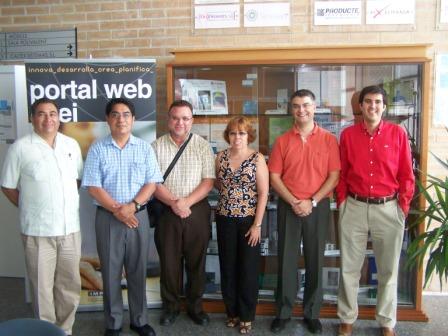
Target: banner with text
x,y
83,87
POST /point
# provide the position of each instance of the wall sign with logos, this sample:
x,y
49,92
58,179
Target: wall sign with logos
x,y
337,13
215,14
377,12
390,12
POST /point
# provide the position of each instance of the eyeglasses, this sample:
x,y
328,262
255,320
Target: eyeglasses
x,y
241,133
184,119
117,115
303,106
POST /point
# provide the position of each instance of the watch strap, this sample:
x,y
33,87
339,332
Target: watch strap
x,y
137,205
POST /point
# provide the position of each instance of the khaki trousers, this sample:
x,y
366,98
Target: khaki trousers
x,y
52,264
386,225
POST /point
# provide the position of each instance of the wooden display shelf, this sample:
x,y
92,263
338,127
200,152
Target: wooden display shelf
x,y
327,311
290,57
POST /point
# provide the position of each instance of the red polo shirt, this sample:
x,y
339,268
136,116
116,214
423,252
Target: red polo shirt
x,y
304,165
376,165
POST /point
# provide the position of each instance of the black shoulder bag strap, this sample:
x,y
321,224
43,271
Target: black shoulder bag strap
x,y
178,154
155,208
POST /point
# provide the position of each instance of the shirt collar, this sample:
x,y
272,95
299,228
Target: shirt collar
x,y
110,141
174,143
315,129
378,129
36,138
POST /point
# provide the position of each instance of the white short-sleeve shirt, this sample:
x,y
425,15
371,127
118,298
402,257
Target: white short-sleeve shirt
x,y
46,178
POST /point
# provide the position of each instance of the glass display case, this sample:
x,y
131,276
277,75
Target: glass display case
x,y
258,84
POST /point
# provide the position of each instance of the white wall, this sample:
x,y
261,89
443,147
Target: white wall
x,y
12,259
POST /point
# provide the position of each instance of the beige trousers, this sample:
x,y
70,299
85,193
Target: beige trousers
x,y
52,265
386,225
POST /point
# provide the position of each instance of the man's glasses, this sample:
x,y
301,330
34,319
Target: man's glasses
x,y
184,119
117,115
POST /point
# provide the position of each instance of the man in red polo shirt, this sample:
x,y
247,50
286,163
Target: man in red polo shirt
x,y
374,193
304,169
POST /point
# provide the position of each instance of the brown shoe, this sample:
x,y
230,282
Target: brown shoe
x,y
387,331
345,329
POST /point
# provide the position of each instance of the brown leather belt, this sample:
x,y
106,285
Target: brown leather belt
x,y
373,200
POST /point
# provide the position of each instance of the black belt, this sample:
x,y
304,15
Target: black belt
x,y
373,200
143,207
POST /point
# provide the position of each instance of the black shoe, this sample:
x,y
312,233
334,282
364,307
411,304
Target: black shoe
x,y
199,318
144,330
112,332
313,325
168,318
279,324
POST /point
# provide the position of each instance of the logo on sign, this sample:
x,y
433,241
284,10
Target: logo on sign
x,y
252,15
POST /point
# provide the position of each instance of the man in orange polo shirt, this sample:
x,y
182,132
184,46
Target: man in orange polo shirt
x,y
304,169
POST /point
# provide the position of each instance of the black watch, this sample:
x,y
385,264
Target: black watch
x,y
138,206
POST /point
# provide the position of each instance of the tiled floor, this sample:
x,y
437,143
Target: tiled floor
x,y
91,323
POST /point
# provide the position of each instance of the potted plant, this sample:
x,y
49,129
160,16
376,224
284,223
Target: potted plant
x,y
434,240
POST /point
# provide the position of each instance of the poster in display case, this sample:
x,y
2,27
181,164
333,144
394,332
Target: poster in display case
x,y
208,97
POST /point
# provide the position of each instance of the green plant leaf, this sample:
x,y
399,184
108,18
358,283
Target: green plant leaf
x,y
434,241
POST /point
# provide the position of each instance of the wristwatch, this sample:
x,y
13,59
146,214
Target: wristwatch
x,y
137,205
313,202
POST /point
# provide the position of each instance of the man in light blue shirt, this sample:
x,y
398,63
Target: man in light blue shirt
x,y
121,173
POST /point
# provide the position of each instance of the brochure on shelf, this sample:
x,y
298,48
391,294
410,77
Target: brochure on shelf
x,y
208,97
282,100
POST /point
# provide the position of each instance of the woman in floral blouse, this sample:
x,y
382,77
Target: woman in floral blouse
x,y
242,180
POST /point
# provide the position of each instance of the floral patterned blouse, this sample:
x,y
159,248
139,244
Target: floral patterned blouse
x,y
238,189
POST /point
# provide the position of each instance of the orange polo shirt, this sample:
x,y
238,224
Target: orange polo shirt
x,y
304,165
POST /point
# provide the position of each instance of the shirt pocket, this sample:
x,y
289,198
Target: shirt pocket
x,y
109,170
389,154
70,169
138,173
36,171
320,162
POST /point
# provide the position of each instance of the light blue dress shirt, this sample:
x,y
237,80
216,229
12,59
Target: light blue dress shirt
x,y
122,172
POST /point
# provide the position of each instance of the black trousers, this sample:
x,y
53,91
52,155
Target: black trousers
x,y
239,264
292,229
187,239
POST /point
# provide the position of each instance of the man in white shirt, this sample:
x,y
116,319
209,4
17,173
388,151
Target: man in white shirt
x,y
40,176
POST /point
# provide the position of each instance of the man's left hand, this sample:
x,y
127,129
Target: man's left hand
x,y
181,208
303,208
125,213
